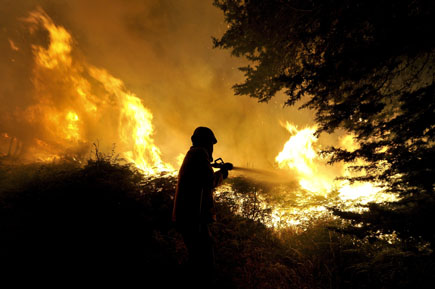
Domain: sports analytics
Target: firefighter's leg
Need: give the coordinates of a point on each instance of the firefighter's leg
(207, 258)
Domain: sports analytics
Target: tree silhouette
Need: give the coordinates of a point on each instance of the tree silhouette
(365, 67)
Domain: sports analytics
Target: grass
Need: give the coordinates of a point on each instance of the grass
(106, 221)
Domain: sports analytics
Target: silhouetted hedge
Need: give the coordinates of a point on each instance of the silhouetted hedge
(106, 221)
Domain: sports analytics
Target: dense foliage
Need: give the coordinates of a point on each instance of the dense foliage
(104, 222)
(363, 66)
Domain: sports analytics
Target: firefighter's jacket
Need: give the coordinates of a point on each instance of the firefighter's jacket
(194, 203)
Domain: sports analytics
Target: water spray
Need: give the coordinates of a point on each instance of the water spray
(220, 164)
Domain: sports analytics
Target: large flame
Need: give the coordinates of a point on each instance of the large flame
(302, 158)
(135, 125)
(76, 103)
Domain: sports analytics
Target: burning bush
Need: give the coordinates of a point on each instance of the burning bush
(106, 220)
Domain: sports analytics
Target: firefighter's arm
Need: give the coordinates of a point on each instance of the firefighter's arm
(218, 178)
(221, 174)
(224, 168)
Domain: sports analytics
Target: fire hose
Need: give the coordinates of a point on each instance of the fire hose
(220, 164)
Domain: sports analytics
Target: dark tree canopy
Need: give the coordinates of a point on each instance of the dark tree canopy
(365, 66)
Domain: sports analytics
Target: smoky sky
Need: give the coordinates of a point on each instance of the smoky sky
(162, 51)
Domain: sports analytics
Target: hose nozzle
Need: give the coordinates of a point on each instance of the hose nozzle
(220, 164)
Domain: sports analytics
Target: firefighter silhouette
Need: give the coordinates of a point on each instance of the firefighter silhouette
(194, 208)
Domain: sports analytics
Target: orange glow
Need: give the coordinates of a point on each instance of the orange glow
(67, 120)
(301, 157)
(72, 128)
(180, 159)
(135, 125)
(13, 45)
(76, 104)
(58, 52)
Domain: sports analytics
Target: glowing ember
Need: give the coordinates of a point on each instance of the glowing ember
(13, 45)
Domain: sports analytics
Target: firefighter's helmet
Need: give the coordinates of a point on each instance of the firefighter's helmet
(203, 135)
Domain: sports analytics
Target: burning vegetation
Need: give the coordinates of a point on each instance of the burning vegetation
(91, 96)
(109, 219)
(71, 100)
(277, 226)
